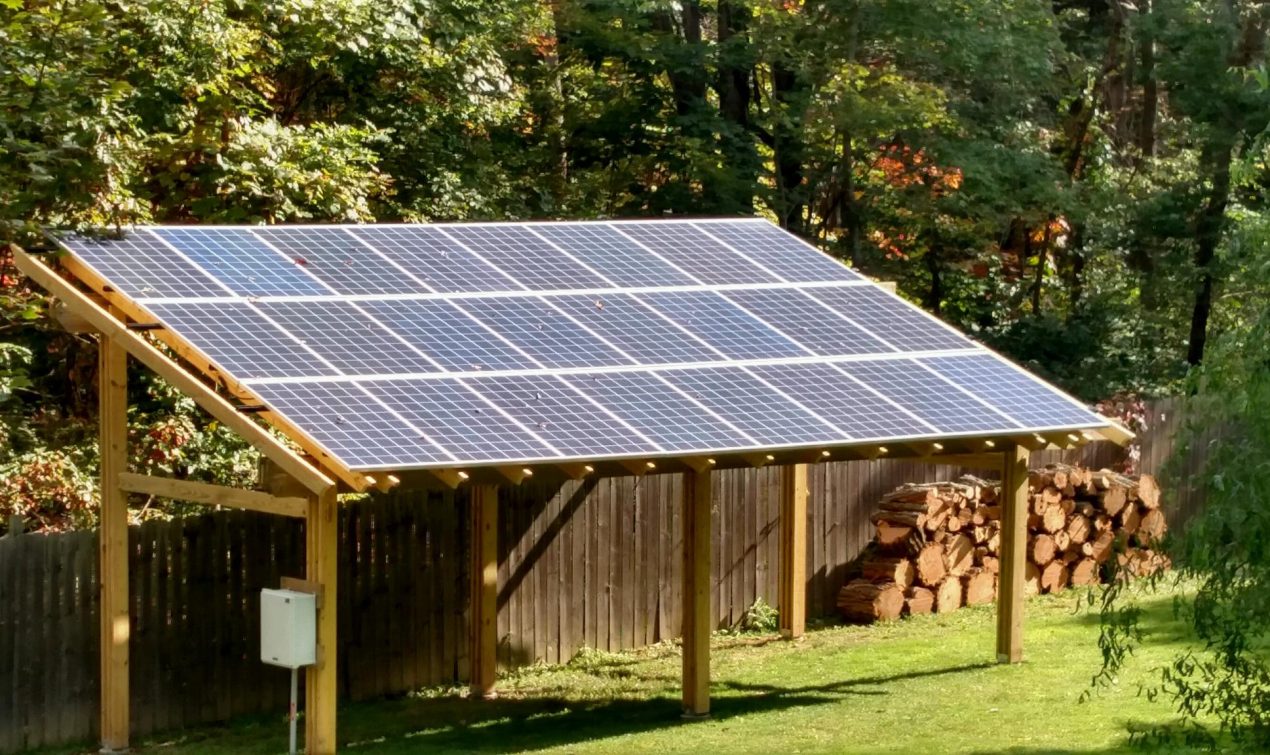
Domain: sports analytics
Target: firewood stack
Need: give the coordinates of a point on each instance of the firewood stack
(937, 545)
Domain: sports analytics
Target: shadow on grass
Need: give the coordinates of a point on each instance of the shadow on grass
(1158, 621)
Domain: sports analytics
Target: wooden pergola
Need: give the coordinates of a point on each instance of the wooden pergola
(303, 482)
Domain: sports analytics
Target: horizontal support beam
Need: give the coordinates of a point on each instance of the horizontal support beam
(310, 477)
(978, 461)
(213, 495)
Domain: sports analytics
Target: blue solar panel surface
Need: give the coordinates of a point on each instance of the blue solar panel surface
(416, 346)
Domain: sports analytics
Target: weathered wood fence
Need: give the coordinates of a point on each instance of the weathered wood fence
(593, 564)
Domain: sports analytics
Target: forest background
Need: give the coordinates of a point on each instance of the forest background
(1080, 184)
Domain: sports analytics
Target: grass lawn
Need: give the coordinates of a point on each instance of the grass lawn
(925, 685)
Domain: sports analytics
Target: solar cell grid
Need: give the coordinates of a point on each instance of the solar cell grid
(447, 335)
(702, 256)
(615, 370)
(524, 256)
(723, 325)
(848, 405)
(459, 421)
(434, 258)
(780, 252)
(240, 341)
(352, 342)
(1026, 399)
(754, 407)
(622, 321)
(543, 333)
(927, 396)
(244, 263)
(339, 260)
(808, 322)
(142, 266)
(351, 425)
(658, 411)
(561, 416)
(895, 321)
(611, 254)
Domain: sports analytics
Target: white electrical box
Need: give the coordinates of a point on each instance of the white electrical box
(288, 628)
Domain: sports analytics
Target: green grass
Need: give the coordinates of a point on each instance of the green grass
(923, 685)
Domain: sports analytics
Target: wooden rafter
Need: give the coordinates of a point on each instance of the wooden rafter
(214, 495)
(310, 477)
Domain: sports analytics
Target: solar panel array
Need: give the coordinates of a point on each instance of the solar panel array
(418, 346)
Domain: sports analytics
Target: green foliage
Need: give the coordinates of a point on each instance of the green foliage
(761, 618)
(1051, 177)
(1224, 673)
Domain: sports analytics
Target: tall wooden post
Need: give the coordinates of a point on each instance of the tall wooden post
(112, 397)
(1014, 503)
(321, 529)
(484, 594)
(696, 593)
(792, 600)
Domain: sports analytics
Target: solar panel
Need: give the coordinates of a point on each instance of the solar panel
(434, 258)
(241, 341)
(723, 325)
(525, 256)
(241, 261)
(338, 259)
(142, 266)
(415, 346)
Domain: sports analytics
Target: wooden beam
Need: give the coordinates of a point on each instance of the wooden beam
(758, 460)
(321, 552)
(979, 461)
(697, 463)
(696, 593)
(116, 628)
(1116, 433)
(313, 479)
(1030, 442)
(515, 475)
(451, 478)
(792, 599)
(637, 467)
(1014, 503)
(576, 471)
(213, 495)
(484, 593)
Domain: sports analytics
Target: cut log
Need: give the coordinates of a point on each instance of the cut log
(936, 521)
(1054, 519)
(1149, 492)
(1114, 500)
(1031, 579)
(866, 602)
(1152, 527)
(1062, 540)
(1103, 546)
(1043, 549)
(1054, 577)
(892, 536)
(930, 566)
(991, 564)
(897, 570)
(918, 601)
(899, 518)
(1130, 519)
(980, 587)
(959, 555)
(1078, 528)
(1084, 573)
(948, 596)
(985, 514)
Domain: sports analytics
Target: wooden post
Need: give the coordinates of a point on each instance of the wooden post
(696, 594)
(484, 595)
(792, 601)
(1014, 503)
(112, 419)
(321, 551)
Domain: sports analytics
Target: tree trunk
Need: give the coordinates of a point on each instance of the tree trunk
(1209, 227)
(1150, 85)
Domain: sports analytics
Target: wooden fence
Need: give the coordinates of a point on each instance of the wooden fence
(593, 563)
